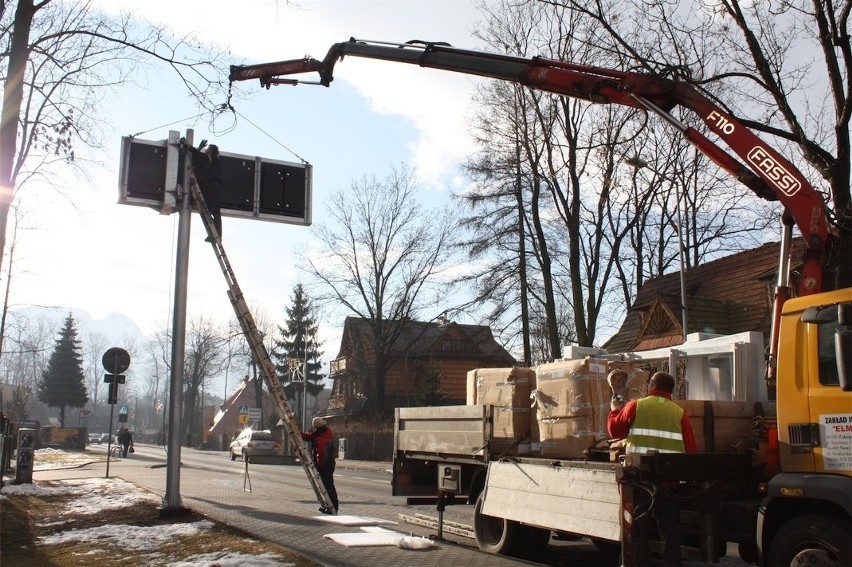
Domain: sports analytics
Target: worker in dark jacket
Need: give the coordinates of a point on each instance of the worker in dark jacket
(207, 165)
(321, 439)
(655, 424)
(125, 439)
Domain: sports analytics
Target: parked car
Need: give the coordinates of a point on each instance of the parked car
(253, 442)
(95, 438)
(104, 438)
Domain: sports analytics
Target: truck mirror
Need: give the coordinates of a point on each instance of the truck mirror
(843, 351)
(821, 314)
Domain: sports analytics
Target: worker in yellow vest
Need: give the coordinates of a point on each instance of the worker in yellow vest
(655, 424)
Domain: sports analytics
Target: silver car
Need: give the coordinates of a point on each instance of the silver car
(251, 442)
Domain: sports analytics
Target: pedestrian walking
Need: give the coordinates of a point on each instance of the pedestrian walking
(125, 439)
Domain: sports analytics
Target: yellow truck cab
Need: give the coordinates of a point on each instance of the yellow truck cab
(812, 492)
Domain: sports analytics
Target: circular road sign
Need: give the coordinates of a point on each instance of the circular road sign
(116, 360)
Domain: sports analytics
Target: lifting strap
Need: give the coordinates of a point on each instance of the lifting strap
(258, 350)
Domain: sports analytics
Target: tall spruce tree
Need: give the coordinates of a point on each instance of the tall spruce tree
(298, 341)
(63, 383)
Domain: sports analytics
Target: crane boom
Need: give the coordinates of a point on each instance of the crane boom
(765, 171)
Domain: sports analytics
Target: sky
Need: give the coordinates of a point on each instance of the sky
(89, 254)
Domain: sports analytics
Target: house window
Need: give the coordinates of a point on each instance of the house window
(452, 345)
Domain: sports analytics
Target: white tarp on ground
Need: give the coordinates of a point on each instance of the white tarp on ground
(352, 520)
(370, 536)
(378, 536)
(362, 539)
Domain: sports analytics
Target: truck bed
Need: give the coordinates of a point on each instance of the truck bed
(571, 496)
(444, 433)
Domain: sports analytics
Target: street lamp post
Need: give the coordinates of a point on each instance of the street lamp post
(682, 255)
(638, 163)
(305, 386)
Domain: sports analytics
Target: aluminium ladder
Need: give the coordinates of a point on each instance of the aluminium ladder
(261, 356)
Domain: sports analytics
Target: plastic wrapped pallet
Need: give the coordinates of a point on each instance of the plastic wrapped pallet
(511, 431)
(508, 390)
(500, 386)
(731, 423)
(564, 389)
(565, 437)
(564, 399)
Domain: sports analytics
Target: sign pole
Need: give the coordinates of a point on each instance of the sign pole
(172, 504)
(109, 439)
(115, 360)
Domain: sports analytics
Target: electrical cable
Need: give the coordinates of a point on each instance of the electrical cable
(267, 134)
(188, 118)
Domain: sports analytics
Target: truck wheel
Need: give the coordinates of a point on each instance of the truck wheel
(495, 535)
(811, 541)
(533, 541)
(748, 552)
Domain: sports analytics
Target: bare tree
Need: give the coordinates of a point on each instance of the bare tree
(61, 59)
(496, 224)
(29, 342)
(382, 258)
(267, 328)
(238, 354)
(565, 151)
(155, 384)
(595, 228)
(94, 346)
(750, 57)
(204, 359)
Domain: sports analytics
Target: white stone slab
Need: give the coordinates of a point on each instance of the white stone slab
(352, 520)
(365, 539)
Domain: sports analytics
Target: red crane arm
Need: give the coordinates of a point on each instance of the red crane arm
(765, 171)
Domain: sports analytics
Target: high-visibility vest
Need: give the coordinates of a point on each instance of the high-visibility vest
(656, 427)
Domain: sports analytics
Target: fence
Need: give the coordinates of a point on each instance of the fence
(368, 445)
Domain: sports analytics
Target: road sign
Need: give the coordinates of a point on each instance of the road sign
(116, 360)
(244, 409)
(124, 409)
(114, 378)
(254, 414)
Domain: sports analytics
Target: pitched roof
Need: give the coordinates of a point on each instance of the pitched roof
(725, 296)
(420, 339)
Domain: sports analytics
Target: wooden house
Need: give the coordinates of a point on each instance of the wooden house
(726, 296)
(444, 348)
